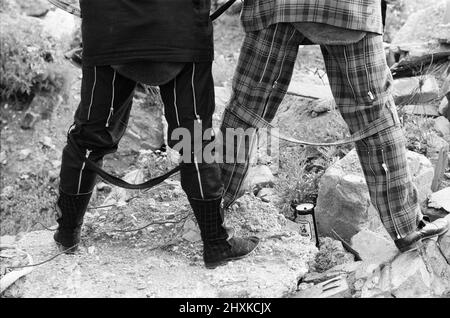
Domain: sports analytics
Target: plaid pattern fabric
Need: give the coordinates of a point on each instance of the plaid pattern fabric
(363, 15)
(359, 79)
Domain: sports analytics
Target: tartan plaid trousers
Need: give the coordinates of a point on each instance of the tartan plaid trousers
(360, 81)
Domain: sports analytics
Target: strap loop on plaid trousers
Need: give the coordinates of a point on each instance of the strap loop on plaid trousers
(371, 129)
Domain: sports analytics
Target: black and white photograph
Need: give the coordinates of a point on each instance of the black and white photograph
(232, 156)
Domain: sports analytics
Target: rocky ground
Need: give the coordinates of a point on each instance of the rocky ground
(147, 244)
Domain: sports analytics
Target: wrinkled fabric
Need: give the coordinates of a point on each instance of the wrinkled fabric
(360, 15)
(124, 31)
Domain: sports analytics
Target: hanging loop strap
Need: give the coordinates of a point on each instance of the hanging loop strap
(115, 180)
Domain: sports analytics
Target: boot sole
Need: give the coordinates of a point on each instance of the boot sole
(227, 260)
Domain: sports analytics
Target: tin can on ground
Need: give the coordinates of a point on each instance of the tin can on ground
(306, 220)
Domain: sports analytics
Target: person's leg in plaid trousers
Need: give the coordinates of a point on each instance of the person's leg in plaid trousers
(360, 81)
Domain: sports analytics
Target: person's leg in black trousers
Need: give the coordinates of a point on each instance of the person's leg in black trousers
(100, 122)
(189, 101)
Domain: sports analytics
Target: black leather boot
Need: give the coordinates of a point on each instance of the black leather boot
(425, 230)
(218, 247)
(70, 212)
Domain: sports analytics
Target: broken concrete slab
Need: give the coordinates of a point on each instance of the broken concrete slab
(440, 199)
(343, 202)
(373, 247)
(415, 90)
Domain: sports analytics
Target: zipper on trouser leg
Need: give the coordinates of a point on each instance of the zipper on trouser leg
(193, 95)
(88, 152)
(369, 93)
(373, 173)
(111, 109)
(279, 74)
(270, 52)
(386, 169)
(199, 177)
(92, 93)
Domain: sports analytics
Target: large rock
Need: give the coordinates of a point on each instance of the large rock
(343, 201)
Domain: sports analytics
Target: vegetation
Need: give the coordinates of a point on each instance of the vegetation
(27, 60)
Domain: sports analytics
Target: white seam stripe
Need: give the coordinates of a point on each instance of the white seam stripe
(175, 100)
(92, 93)
(193, 90)
(270, 52)
(199, 178)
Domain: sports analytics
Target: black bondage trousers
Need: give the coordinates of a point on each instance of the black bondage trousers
(102, 117)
